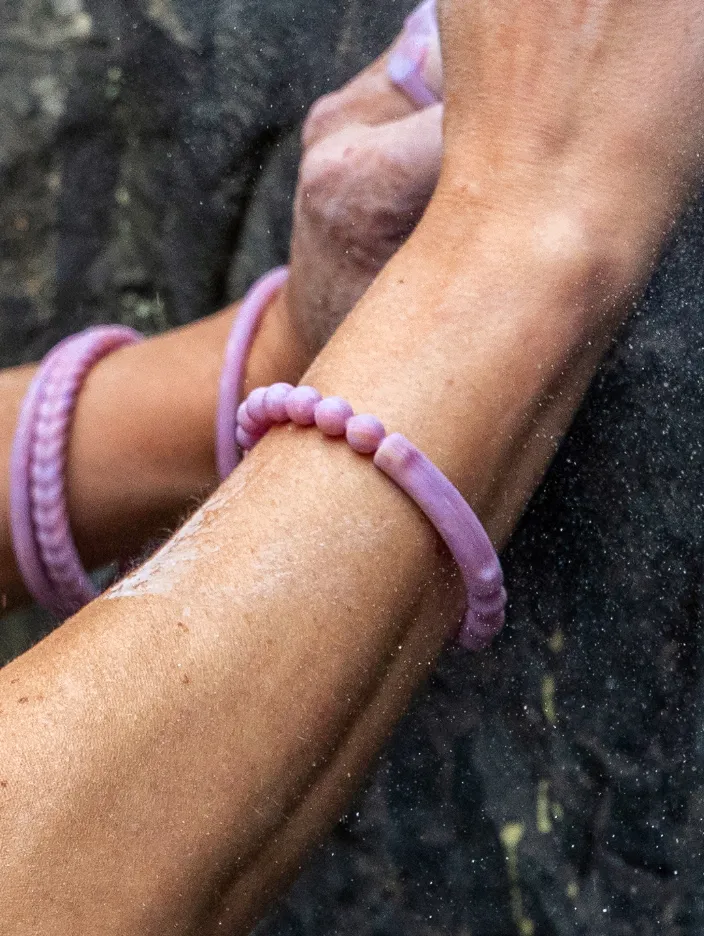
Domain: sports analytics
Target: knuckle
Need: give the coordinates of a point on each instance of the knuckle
(322, 116)
(358, 196)
(321, 188)
(332, 201)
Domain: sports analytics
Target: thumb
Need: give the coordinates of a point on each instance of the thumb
(389, 89)
(415, 62)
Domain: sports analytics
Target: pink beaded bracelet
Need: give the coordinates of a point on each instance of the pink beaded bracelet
(46, 554)
(413, 472)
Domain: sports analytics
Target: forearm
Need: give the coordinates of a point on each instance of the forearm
(221, 704)
(142, 446)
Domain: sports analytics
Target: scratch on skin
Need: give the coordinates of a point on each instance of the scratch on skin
(274, 562)
(167, 567)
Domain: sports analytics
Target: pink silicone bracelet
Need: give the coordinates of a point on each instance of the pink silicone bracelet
(237, 351)
(46, 554)
(414, 473)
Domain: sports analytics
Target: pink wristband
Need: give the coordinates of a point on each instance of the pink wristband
(407, 59)
(46, 554)
(239, 345)
(414, 473)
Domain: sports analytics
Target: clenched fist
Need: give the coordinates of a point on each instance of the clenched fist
(371, 161)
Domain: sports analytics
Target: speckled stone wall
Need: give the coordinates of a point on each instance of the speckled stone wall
(549, 787)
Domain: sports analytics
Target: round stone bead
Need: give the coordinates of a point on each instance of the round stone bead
(332, 414)
(255, 406)
(365, 433)
(275, 402)
(301, 404)
(246, 422)
(245, 439)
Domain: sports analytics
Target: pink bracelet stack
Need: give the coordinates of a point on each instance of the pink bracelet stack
(46, 554)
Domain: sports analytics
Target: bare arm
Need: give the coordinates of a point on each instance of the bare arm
(191, 736)
(142, 446)
(170, 752)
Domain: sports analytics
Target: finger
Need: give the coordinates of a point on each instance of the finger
(396, 169)
(363, 190)
(369, 99)
(361, 193)
(377, 94)
(415, 63)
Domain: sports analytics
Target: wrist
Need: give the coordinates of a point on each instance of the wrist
(599, 221)
(141, 447)
(277, 353)
(495, 339)
(147, 414)
(142, 441)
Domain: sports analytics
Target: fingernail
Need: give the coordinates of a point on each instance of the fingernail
(423, 20)
(409, 56)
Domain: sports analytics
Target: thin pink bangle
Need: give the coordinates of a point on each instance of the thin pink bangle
(414, 473)
(41, 534)
(239, 345)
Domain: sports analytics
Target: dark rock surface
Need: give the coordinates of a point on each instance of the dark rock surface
(139, 144)
(554, 785)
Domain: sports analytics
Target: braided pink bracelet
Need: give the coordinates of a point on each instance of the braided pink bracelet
(237, 351)
(413, 472)
(46, 554)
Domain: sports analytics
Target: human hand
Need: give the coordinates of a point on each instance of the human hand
(370, 163)
(585, 117)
